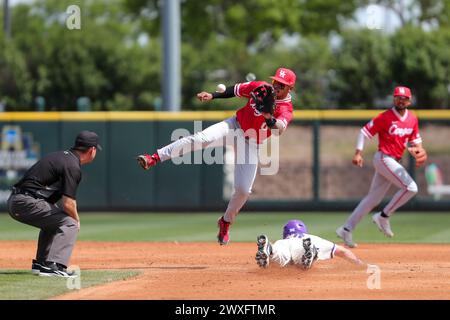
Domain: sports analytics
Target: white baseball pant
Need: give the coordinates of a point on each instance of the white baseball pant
(387, 172)
(246, 157)
(291, 250)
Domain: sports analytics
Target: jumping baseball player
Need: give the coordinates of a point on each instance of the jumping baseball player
(299, 248)
(396, 128)
(268, 107)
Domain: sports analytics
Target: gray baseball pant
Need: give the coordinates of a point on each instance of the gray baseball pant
(387, 172)
(58, 230)
(246, 157)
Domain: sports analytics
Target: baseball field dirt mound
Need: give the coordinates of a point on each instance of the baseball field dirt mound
(208, 271)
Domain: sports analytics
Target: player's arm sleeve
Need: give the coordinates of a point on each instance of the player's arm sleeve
(228, 93)
(360, 140)
(70, 182)
(416, 139)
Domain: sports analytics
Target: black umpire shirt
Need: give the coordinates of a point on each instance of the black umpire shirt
(55, 175)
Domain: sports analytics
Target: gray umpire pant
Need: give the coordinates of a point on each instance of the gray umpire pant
(58, 230)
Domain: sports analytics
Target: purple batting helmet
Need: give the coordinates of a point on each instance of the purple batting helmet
(294, 228)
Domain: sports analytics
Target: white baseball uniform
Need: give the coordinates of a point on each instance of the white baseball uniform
(291, 250)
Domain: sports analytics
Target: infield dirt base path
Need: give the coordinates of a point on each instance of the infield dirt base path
(207, 271)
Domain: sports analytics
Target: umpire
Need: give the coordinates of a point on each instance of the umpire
(33, 201)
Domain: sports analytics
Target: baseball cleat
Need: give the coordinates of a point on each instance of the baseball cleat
(346, 236)
(383, 224)
(310, 254)
(146, 161)
(53, 269)
(223, 237)
(264, 251)
(36, 267)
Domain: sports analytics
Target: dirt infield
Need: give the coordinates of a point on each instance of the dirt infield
(206, 271)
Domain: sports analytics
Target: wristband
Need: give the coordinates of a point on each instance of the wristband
(228, 93)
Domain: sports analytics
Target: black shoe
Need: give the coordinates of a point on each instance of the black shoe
(53, 269)
(36, 267)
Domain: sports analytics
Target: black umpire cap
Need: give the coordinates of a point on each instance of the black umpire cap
(86, 139)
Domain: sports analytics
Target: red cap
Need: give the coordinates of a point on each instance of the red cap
(402, 91)
(285, 76)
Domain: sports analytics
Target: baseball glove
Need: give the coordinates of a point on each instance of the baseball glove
(264, 98)
(419, 154)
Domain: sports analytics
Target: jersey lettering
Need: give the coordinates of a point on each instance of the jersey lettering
(395, 130)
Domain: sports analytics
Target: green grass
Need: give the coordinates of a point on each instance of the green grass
(22, 285)
(426, 227)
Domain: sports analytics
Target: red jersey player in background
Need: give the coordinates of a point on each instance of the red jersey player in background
(249, 127)
(396, 128)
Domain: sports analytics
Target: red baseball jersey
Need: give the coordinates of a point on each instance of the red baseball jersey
(251, 120)
(394, 131)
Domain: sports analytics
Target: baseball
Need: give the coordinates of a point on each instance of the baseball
(221, 88)
(250, 77)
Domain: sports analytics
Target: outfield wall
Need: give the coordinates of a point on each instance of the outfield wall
(114, 181)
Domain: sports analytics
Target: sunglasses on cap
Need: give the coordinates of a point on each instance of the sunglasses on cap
(402, 98)
(277, 84)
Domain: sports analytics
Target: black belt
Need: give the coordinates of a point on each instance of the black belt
(26, 193)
